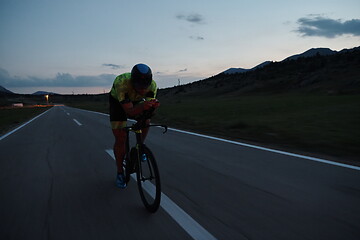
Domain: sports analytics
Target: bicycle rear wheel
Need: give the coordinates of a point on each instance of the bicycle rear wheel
(129, 164)
(126, 170)
(148, 180)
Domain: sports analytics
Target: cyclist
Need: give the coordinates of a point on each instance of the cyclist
(131, 95)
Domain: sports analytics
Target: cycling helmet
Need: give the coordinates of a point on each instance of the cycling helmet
(141, 76)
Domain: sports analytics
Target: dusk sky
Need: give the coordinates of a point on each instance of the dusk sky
(69, 46)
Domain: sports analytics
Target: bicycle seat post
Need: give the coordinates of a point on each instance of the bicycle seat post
(138, 136)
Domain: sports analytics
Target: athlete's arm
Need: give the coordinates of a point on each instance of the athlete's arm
(133, 111)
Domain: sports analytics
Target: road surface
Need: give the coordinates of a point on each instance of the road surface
(57, 181)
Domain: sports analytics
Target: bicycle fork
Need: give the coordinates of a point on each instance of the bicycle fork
(140, 151)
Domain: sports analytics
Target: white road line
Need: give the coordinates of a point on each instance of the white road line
(68, 114)
(260, 148)
(270, 150)
(77, 122)
(193, 228)
(11, 132)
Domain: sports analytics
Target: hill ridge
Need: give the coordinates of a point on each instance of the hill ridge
(308, 53)
(332, 73)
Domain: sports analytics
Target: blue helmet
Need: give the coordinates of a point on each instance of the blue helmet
(141, 76)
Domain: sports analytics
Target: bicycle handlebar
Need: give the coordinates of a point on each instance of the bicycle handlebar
(141, 122)
(139, 125)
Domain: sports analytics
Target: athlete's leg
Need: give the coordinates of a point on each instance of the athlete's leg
(118, 122)
(120, 143)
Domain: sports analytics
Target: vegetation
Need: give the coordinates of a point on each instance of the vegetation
(12, 117)
(321, 124)
(98, 103)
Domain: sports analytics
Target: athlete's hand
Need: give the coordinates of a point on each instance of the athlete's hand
(147, 105)
(153, 103)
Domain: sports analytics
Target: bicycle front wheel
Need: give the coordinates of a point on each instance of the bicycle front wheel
(148, 180)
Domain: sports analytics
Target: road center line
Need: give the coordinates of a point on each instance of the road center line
(77, 122)
(193, 228)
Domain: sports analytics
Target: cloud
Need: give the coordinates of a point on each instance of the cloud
(193, 18)
(112, 66)
(315, 25)
(199, 38)
(183, 70)
(4, 74)
(60, 80)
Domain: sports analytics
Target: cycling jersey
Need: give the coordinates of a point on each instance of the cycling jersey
(123, 91)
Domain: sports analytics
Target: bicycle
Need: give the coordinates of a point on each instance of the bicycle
(140, 160)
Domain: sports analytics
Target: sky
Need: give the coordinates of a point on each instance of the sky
(80, 46)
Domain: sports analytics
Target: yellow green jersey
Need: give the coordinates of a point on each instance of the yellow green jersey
(123, 91)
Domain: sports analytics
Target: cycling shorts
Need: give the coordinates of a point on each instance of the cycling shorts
(116, 111)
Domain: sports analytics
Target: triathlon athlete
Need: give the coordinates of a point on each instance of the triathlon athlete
(131, 95)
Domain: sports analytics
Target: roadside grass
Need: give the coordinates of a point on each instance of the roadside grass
(320, 124)
(95, 106)
(10, 118)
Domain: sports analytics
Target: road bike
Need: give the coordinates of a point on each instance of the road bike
(140, 160)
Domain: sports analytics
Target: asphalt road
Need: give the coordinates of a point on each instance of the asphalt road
(58, 182)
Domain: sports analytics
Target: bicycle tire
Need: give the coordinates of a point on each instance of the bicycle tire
(150, 194)
(129, 164)
(126, 170)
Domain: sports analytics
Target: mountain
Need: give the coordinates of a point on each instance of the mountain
(44, 93)
(4, 90)
(350, 50)
(235, 70)
(331, 73)
(242, 70)
(311, 53)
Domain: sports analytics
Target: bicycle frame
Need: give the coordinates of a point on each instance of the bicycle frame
(137, 129)
(138, 145)
(148, 168)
